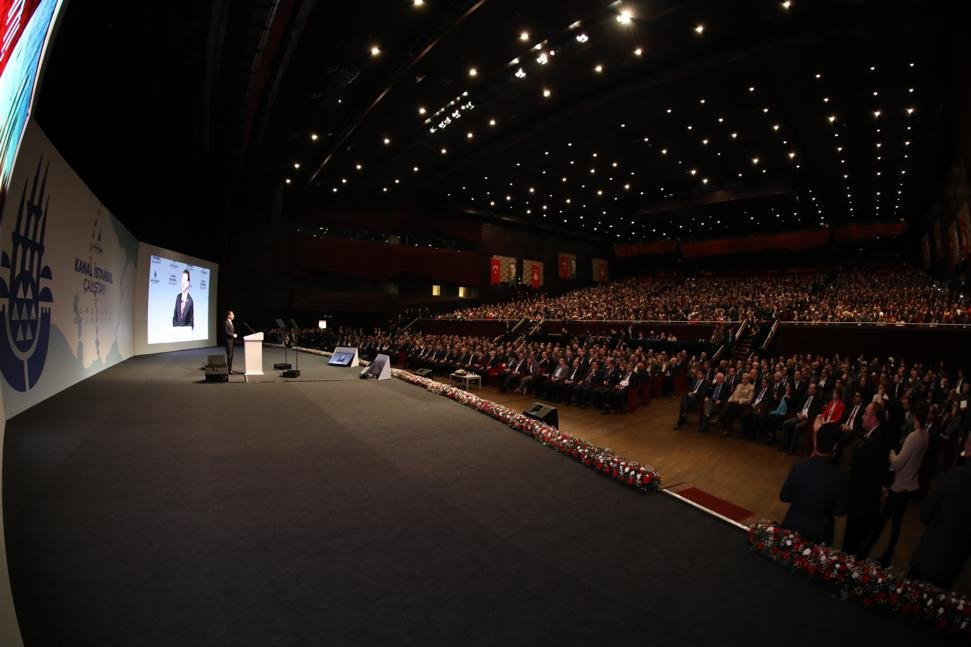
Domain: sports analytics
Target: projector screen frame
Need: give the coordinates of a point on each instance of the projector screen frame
(140, 317)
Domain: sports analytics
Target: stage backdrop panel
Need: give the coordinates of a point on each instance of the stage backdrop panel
(66, 279)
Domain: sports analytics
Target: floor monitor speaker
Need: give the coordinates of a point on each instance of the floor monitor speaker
(425, 372)
(543, 413)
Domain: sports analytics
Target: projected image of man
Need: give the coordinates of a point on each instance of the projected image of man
(183, 316)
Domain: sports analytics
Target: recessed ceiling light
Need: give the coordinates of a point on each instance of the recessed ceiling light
(625, 16)
(638, 51)
(547, 92)
(473, 72)
(387, 140)
(296, 165)
(699, 29)
(786, 4)
(313, 137)
(375, 50)
(524, 36)
(287, 180)
(598, 68)
(421, 110)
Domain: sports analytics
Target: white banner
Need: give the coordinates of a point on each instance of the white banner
(66, 279)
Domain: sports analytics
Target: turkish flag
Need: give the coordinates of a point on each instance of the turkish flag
(534, 282)
(564, 268)
(494, 272)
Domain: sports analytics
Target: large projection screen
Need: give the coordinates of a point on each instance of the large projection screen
(165, 320)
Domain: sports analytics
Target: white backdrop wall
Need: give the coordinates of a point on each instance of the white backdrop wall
(67, 270)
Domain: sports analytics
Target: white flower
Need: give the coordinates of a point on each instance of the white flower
(807, 552)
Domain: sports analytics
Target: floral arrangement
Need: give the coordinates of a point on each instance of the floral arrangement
(863, 581)
(630, 473)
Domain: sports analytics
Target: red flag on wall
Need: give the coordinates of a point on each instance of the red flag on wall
(534, 281)
(495, 272)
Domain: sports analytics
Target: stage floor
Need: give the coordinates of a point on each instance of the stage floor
(144, 507)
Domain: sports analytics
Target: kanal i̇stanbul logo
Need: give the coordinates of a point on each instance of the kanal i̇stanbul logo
(25, 306)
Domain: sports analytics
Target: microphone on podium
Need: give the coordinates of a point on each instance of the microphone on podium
(247, 326)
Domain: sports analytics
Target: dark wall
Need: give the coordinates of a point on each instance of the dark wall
(949, 343)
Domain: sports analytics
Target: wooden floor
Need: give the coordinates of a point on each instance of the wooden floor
(745, 473)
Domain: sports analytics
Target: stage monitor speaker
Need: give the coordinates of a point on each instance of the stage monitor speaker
(282, 366)
(217, 373)
(291, 373)
(379, 369)
(425, 372)
(216, 360)
(543, 413)
(344, 356)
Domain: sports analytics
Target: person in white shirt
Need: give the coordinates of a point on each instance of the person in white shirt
(905, 466)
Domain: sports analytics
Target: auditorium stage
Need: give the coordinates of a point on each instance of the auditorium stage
(144, 507)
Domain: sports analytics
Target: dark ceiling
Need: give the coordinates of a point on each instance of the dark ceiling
(693, 118)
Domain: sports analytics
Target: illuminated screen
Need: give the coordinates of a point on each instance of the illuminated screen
(24, 25)
(178, 301)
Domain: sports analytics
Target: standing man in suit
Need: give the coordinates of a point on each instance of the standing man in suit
(815, 491)
(183, 315)
(869, 472)
(946, 542)
(230, 333)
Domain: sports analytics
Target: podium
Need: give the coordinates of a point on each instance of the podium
(254, 353)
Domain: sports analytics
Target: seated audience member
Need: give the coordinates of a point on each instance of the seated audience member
(738, 403)
(946, 542)
(691, 398)
(905, 467)
(783, 410)
(754, 416)
(713, 402)
(617, 399)
(602, 393)
(550, 386)
(801, 423)
(532, 373)
(515, 370)
(583, 392)
(814, 490)
(573, 379)
(833, 411)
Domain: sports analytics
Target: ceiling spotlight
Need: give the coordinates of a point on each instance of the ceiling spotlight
(520, 73)
(358, 167)
(582, 38)
(699, 29)
(415, 169)
(734, 135)
(343, 180)
(469, 135)
(418, 3)
(876, 113)
(786, 5)
(547, 92)
(598, 68)
(444, 151)
(387, 140)
(638, 51)
(755, 161)
(832, 119)
(624, 17)
(542, 59)
(375, 50)
(524, 36)
(910, 111)
(492, 122)
(421, 110)
(287, 180)
(296, 165)
(313, 137)
(473, 72)
(792, 154)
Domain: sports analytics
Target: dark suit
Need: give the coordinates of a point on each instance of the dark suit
(869, 472)
(230, 332)
(793, 428)
(184, 317)
(815, 490)
(946, 542)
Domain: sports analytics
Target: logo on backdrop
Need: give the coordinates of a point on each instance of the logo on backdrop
(25, 305)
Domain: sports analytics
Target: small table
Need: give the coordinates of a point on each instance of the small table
(468, 379)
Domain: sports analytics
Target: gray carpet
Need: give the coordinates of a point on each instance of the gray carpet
(145, 508)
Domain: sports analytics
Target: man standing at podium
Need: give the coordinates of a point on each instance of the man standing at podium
(231, 335)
